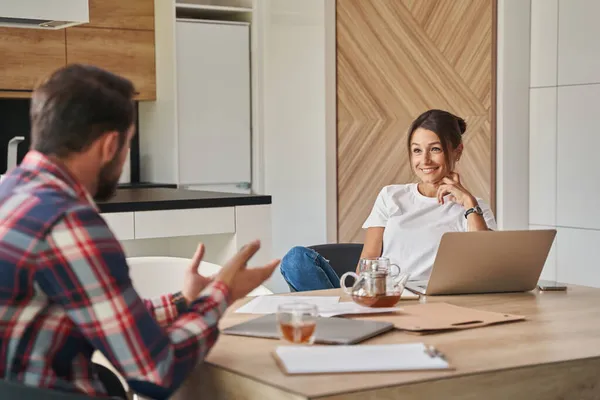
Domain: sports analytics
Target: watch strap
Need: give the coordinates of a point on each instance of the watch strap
(180, 303)
(476, 210)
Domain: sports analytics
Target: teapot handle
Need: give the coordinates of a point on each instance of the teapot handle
(343, 281)
(398, 277)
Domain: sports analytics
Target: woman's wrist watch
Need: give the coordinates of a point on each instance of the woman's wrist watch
(476, 210)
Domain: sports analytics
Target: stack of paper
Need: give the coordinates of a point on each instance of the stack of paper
(364, 358)
(327, 306)
(349, 308)
(269, 304)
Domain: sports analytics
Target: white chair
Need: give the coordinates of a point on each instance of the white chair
(155, 276)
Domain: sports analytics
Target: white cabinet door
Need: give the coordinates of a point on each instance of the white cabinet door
(578, 45)
(578, 254)
(213, 102)
(185, 222)
(121, 224)
(577, 162)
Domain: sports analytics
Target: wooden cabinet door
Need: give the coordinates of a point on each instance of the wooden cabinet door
(122, 14)
(27, 56)
(129, 53)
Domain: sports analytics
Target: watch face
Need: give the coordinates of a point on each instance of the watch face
(478, 210)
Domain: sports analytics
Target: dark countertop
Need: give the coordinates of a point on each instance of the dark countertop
(135, 185)
(149, 199)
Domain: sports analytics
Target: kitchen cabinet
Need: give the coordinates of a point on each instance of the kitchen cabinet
(122, 14)
(121, 224)
(171, 223)
(129, 53)
(27, 56)
(188, 222)
(213, 102)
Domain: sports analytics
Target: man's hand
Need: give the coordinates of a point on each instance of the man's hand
(193, 282)
(242, 280)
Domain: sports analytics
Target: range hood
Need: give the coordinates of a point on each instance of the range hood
(43, 14)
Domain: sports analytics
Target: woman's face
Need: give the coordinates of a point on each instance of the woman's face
(427, 156)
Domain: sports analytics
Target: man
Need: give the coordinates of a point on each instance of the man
(65, 289)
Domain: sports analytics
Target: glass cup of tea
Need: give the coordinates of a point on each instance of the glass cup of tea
(297, 322)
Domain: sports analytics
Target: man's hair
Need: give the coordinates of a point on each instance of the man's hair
(76, 105)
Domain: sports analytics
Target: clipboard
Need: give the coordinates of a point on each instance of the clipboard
(432, 318)
(308, 360)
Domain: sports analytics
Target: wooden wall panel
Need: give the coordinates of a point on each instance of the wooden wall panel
(396, 59)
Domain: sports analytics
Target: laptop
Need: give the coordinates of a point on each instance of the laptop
(328, 331)
(487, 262)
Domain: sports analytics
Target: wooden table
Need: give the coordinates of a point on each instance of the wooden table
(554, 354)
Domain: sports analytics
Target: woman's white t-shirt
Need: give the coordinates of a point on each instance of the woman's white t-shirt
(414, 225)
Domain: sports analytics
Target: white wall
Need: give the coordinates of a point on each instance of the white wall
(564, 135)
(158, 119)
(512, 143)
(297, 120)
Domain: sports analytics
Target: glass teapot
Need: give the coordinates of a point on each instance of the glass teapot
(378, 284)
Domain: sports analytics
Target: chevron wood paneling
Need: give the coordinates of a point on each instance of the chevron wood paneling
(396, 59)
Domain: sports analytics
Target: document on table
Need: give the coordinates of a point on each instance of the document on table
(362, 358)
(327, 306)
(408, 295)
(269, 304)
(349, 308)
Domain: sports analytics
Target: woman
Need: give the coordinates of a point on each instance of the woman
(407, 221)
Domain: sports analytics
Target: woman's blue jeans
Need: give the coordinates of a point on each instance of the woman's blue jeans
(304, 269)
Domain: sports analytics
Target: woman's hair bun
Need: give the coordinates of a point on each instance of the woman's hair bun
(462, 125)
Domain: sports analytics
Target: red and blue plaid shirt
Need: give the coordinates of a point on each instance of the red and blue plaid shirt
(65, 292)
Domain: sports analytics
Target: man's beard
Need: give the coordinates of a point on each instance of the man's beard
(108, 180)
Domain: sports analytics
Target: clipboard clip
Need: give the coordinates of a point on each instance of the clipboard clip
(434, 353)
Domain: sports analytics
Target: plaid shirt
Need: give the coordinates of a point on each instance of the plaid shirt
(65, 292)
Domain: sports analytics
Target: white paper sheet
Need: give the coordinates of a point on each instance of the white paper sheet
(361, 358)
(408, 295)
(349, 307)
(269, 304)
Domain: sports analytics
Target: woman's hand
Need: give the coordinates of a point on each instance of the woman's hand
(451, 185)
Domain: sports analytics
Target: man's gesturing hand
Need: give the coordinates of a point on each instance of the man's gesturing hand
(240, 279)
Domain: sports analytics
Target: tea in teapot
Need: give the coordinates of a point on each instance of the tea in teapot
(378, 283)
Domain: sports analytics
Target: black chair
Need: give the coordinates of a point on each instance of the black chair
(13, 390)
(343, 257)
(112, 384)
